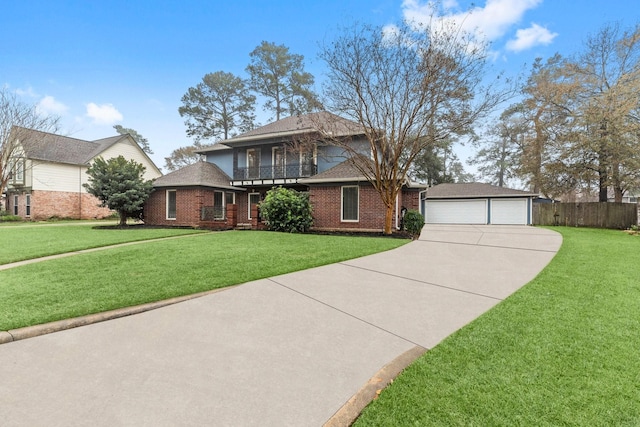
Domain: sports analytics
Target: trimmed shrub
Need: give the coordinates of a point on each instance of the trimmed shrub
(413, 223)
(10, 218)
(286, 210)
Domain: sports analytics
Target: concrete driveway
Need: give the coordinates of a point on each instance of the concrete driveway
(285, 351)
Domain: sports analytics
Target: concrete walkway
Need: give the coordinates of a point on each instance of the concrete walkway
(290, 350)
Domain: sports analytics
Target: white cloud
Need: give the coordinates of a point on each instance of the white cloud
(28, 92)
(529, 37)
(489, 23)
(105, 114)
(48, 105)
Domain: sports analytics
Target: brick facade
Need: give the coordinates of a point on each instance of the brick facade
(325, 201)
(57, 204)
(327, 204)
(189, 204)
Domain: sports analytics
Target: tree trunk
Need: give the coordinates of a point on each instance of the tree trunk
(123, 219)
(388, 220)
(618, 193)
(602, 184)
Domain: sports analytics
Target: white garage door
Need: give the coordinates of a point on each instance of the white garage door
(456, 211)
(513, 211)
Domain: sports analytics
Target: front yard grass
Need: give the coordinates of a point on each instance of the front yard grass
(130, 275)
(35, 241)
(561, 351)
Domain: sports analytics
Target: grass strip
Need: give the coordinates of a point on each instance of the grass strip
(126, 276)
(563, 350)
(28, 242)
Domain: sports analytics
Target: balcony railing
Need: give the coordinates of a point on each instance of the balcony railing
(275, 172)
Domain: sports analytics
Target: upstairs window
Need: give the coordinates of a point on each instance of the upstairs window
(16, 168)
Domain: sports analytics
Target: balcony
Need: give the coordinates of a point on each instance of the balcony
(271, 174)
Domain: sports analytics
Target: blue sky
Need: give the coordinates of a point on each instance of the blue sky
(128, 62)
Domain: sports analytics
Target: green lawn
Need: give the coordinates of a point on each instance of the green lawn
(131, 275)
(34, 241)
(564, 350)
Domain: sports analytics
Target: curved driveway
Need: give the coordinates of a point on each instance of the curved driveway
(288, 350)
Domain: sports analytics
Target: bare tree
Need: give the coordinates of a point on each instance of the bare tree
(16, 119)
(183, 156)
(409, 87)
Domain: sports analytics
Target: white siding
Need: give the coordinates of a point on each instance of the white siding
(58, 177)
(130, 151)
(512, 211)
(456, 211)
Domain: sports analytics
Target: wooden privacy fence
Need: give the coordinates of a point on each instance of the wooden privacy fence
(594, 214)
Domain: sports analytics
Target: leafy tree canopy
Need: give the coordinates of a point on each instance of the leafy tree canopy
(139, 139)
(279, 76)
(218, 107)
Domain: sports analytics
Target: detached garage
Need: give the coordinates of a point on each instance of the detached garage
(476, 203)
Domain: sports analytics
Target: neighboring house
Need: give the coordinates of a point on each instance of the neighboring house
(291, 153)
(49, 171)
(476, 203)
(630, 196)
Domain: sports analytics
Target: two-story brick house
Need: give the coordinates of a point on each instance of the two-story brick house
(48, 172)
(294, 152)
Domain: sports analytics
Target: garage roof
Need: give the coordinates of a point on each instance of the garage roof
(473, 189)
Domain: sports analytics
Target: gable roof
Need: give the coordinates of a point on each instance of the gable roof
(473, 189)
(50, 147)
(297, 125)
(199, 174)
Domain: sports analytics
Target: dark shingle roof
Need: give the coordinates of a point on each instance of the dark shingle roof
(199, 174)
(298, 125)
(474, 189)
(342, 172)
(61, 149)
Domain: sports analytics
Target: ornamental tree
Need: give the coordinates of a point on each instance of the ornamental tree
(119, 185)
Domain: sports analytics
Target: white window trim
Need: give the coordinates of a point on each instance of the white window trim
(166, 210)
(357, 187)
(233, 197)
(222, 203)
(249, 203)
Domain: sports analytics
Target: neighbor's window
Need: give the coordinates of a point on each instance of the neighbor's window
(350, 196)
(19, 176)
(16, 199)
(171, 204)
(254, 199)
(28, 203)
